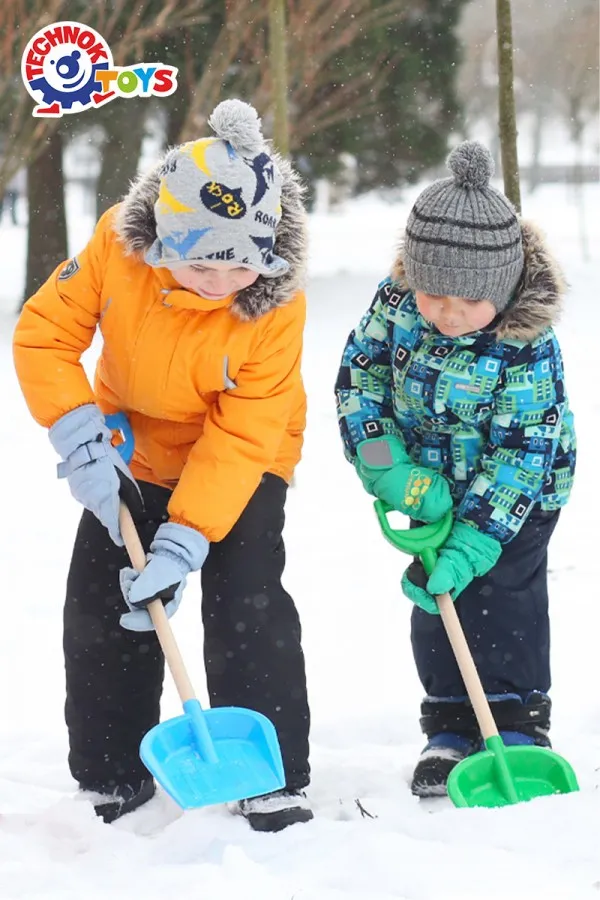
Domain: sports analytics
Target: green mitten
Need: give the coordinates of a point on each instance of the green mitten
(467, 554)
(387, 472)
(377, 456)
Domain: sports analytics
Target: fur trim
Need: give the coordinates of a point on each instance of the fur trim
(537, 303)
(135, 227)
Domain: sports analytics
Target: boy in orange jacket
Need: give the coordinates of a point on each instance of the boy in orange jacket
(195, 283)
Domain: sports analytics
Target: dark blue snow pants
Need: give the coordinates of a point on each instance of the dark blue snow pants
(505, 618)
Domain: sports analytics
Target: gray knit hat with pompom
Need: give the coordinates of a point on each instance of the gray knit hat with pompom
(463, 238)
(220, 197)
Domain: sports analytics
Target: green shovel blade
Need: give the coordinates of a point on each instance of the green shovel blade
(501, 776)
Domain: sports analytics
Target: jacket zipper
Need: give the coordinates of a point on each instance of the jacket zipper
(134, 366)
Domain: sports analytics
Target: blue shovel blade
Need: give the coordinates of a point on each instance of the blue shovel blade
(246, 759)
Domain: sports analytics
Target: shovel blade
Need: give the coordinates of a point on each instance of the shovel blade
(247, 763)
(535, 772)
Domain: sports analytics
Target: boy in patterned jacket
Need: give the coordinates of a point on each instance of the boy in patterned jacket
(453, 382)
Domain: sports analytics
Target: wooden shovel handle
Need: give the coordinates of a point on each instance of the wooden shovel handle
(464, 659)
(156, 610)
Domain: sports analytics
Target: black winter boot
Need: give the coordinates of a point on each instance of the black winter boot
(441, 753)
(453, 733)
(275, 811)
(113, 803)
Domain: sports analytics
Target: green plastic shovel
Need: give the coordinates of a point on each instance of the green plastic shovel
(499, 775)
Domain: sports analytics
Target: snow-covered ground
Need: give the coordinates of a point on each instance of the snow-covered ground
(364, 692)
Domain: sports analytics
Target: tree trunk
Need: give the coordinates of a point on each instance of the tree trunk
(175, 121)
(506, 104)
(536, 143)
(279, 75)
(577, 131)
(47, 228)
(124, 129)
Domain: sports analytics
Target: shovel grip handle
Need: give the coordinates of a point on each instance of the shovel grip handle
(467, 668)
(156, 610)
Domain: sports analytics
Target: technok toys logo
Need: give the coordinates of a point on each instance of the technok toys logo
(67, 67)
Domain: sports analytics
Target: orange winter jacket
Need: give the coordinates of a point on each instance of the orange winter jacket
(213, 391)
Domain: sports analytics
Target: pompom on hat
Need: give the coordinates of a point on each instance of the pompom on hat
(220, 197)
(463, 237)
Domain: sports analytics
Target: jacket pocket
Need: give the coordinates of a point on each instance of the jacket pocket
(229, 384)
(210, 373)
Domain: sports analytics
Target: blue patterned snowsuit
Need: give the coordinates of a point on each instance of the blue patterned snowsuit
(489, 411)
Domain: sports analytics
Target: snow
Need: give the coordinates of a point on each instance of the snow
(363, 688)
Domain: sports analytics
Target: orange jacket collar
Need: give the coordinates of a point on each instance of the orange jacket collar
(175, 295)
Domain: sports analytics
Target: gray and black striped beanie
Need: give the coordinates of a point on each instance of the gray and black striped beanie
(463, 238)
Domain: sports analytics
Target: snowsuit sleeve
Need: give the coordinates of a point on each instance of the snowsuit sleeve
(56, 326)
(243, 430)
(364, 386)
(523, 440)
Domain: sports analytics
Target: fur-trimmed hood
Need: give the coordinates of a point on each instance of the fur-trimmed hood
(537, 303)
(135, 226)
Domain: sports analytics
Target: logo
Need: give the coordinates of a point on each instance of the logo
(68, 68)
(70, 269)
(224, 201)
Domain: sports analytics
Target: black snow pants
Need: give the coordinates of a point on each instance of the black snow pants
(252, 650)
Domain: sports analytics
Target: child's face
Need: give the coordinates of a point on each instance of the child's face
(454, 316)
(214, 280)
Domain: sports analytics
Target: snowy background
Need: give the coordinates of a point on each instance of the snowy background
(363, 689)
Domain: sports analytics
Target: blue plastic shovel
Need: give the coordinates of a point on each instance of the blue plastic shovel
(204, 756)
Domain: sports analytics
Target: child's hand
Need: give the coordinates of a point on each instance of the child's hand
(97, 476)
(175, 551)
(387, 472)
(416, 491)
(467, 554)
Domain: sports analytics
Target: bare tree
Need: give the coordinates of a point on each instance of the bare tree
(19, 20)
(317, 33)
(47, 229)
(554, 67)
(506, 104)
(279, 75)
(579, 70)
(127, 30)
(575, 52)
(241, 31)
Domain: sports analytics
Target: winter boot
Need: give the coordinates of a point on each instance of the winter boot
(441, 753)
(450, 725)
(275, 811)
(518, 739)
(112, 803)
